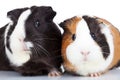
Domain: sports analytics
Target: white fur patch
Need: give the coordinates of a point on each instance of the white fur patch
(94, 61)
(19, 55)
(106, 31)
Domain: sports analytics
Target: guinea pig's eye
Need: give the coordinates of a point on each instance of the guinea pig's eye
(93, 36)
(37, 23)
(73, 37)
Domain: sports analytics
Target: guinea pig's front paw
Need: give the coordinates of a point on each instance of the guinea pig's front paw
(97, 74)
(54, 73)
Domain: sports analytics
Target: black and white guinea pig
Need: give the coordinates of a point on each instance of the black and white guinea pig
(31, 42)
(90, 46)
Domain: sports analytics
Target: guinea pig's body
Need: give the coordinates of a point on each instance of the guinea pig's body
(90, 45)
(30, 43)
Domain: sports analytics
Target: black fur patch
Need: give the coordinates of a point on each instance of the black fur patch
(96, 34)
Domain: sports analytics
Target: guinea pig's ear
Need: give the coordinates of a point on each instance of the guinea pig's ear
(63, 24)
(70, 22)
(14, 14)
(66, 23)
(33, 8)
(51, 14)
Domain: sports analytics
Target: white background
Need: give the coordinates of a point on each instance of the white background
(108, 9)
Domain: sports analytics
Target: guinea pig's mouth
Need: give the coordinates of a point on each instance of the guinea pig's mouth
(26, 45)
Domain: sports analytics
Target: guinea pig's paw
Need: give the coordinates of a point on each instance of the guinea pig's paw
(54, 73)
(97, 74)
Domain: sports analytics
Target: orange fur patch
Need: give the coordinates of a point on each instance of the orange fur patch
(70, 28)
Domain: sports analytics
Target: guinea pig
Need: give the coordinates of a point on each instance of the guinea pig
(90, 46)
(31, 42)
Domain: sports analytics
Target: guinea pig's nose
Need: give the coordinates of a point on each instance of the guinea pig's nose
(85, 53)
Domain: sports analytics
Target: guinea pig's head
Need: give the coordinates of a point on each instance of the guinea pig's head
(87, 45)
(35, 30)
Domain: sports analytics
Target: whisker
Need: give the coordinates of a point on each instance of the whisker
(44, 50)
(99, 39)
(37, 52)
(46, 63)
(34, 50)
(106, 52)
(104, 46)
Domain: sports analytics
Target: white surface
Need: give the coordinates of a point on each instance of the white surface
(111, 75)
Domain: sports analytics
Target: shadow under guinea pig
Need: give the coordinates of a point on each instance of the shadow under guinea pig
(31, 42)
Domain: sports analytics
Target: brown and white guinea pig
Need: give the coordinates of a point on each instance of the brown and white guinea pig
(90, 46)
(31, 42)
